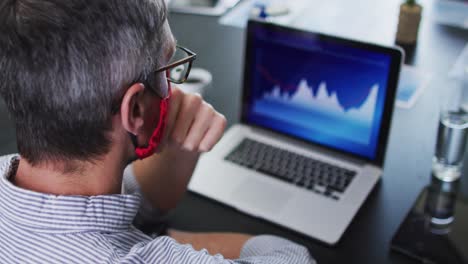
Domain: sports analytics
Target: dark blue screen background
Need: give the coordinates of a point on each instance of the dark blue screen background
(353, 81)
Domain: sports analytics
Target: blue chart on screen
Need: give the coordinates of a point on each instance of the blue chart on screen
(322, 92)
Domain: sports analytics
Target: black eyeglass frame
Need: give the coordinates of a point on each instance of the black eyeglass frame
(191, 57)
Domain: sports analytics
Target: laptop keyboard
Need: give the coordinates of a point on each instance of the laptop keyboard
(317, 176)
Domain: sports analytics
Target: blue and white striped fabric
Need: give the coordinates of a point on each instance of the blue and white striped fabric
(42, 228)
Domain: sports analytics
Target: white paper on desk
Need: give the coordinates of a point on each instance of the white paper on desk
(460, 66)
(358, 19)
(239, 15)
(451, 12)
(412, 83)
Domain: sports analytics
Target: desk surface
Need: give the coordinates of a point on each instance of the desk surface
(409, 154)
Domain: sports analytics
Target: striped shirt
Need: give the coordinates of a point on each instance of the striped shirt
(44, 228)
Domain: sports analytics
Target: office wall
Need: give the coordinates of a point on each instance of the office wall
(220, 50)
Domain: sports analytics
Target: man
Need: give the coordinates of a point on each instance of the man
(88, 84)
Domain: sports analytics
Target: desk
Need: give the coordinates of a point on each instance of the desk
(409, 153)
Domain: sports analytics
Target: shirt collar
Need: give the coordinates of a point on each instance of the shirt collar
(48, 213)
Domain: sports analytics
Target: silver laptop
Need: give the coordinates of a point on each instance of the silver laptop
(316, 114)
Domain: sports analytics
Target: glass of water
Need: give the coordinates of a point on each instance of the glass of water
(453, 131)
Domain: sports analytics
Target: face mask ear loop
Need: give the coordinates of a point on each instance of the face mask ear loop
(158, 133)
(156, 137)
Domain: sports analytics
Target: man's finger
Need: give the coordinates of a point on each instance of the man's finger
(174, 106)
(200, 126)
(214, 134)
(187, 111)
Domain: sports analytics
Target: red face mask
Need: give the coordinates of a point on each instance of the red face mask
(158, 133)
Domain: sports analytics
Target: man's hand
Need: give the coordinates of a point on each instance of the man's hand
(193, 124)
(193, 127)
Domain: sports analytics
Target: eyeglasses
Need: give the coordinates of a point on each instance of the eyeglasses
(180, 65)
(177, 70)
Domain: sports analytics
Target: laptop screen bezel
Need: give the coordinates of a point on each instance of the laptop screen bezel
(395, 54)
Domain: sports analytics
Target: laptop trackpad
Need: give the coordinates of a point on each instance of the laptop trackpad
(260, 197)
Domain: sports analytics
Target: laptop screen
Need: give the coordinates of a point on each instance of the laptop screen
(319, 89)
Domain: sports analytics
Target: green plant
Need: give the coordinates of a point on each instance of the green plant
(410, 2)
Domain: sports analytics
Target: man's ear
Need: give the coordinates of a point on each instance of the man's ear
(132, 109)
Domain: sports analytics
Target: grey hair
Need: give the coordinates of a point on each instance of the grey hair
(65, 63)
